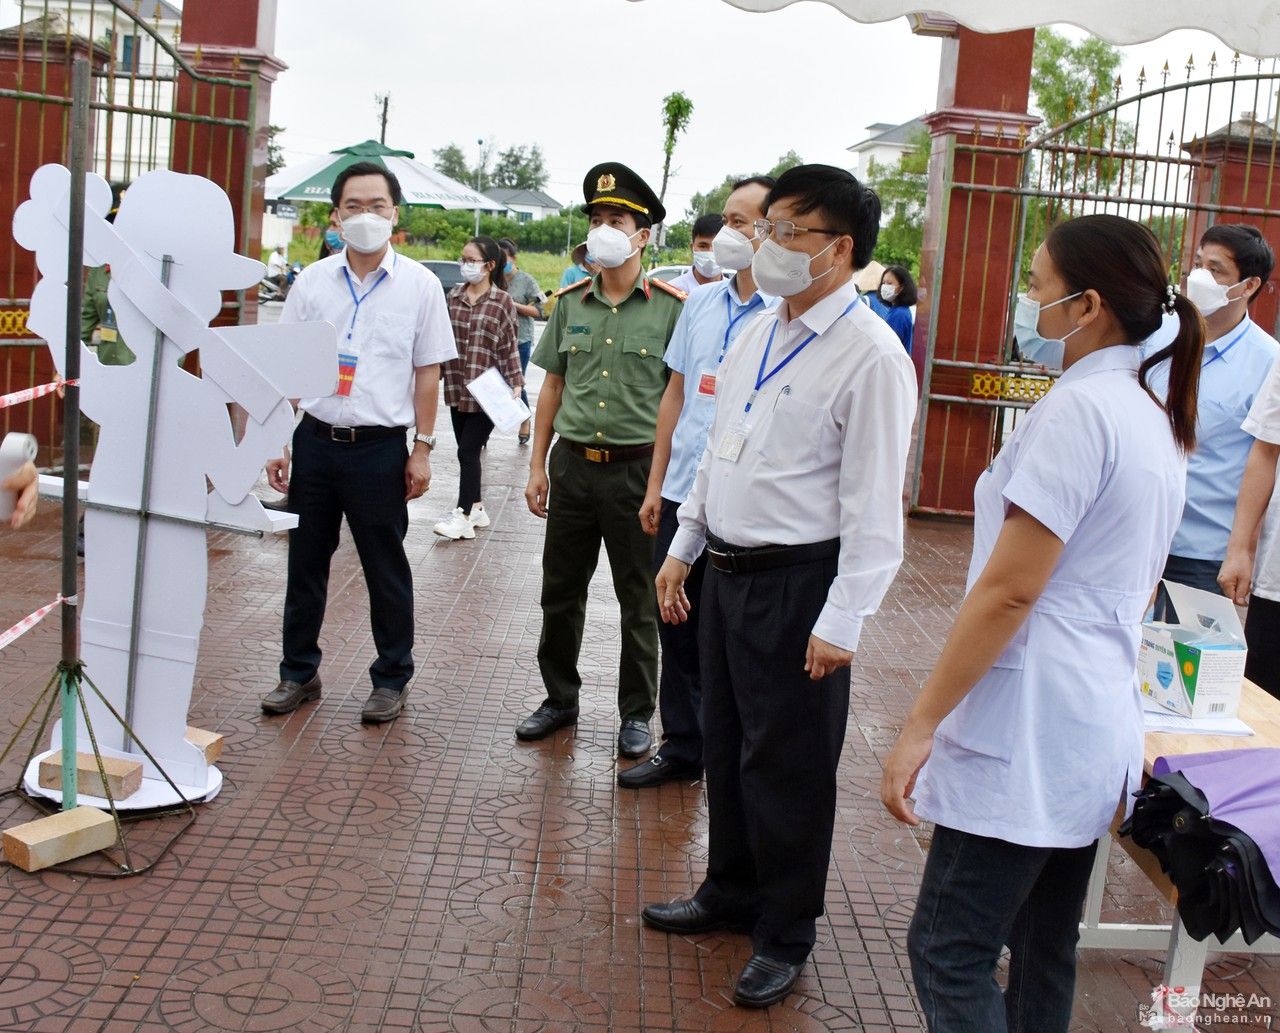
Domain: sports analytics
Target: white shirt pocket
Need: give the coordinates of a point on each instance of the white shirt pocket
(391, 336)
(794, 433)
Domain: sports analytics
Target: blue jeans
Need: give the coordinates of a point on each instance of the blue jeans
(979, 895)
(526, 349)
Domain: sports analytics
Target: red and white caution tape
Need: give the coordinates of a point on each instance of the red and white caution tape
(30, 394)
(29, 622)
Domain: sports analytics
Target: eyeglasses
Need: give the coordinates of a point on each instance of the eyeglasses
(784, 230)
(382, 210)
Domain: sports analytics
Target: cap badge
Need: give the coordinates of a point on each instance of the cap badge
(606, 182)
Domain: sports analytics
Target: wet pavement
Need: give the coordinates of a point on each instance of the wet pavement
(434, 875)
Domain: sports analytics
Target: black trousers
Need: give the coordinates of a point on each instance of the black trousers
(771, 743)
(680, 681)
(592, 503)
(472, 430)
(1262, 635)
(364, 482)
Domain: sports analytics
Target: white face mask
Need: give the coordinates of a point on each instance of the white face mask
(1206, 293)
(888, 291)
(1049, 352)
(610, 247)
(472, 272)
(732, 250)
(704, 262)
(366, 232)
(784, 273)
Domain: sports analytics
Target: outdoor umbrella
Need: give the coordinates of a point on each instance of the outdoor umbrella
(1213, 822)
(421, 184)
(1250, 26)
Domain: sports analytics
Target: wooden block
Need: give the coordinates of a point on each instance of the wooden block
(209, 743)
(59, 837)
(124, 777)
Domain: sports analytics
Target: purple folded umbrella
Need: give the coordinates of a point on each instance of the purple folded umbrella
(1242, 788)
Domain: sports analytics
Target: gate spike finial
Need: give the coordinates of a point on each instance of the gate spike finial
(1213, 63)
(1142, 77)
(1235, 62)
(1191, 65)
(1164, 74)
(1116, 87)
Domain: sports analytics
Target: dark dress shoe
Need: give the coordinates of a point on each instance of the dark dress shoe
(383, 705)
(689, 916)
(543, 721)
(288, 696)
(634, 739)
(765, 981)
(655, 771)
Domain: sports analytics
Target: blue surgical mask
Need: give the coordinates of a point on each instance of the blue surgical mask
(509, 268)
(333, 238)
(1026, 323)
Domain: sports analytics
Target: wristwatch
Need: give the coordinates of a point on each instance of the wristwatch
(427, 439)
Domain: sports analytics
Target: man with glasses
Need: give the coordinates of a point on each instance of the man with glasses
(713, 319)
(602, 350)
(349, 451)
(798, 503)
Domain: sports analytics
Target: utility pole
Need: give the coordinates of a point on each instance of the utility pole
(383, 100)
(479, 173)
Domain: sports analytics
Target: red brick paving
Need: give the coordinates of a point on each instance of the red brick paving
(435, 876)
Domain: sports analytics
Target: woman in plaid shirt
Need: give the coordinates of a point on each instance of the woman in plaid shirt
(484, 326)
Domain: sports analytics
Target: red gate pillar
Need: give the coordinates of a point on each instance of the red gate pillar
(1238, 167)
(967, 258)
(231, 39)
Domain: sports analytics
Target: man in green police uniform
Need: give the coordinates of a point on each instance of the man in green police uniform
(602, 350)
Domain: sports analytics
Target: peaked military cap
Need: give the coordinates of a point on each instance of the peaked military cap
(611, 182)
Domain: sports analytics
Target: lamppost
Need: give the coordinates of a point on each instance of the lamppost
(479, 170)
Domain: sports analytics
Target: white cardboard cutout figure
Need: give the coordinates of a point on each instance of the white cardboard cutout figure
(259, 367)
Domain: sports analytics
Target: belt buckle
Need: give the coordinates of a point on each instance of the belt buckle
(337, 434)
(596, 455)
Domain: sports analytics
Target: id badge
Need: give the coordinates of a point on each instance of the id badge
(346, 374)
(733, 441)
(707, 384)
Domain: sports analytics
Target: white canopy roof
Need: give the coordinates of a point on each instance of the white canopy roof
(1250, 26)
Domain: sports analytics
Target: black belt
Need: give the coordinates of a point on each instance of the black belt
(609, 454)
(349, 435)
(733, 559)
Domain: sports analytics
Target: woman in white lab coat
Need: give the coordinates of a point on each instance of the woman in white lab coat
(1029, 730)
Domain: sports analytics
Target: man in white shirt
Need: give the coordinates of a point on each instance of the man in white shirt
(349, 455)
(1250, 574)
(278, 268)
(705, 268)
(798, 503)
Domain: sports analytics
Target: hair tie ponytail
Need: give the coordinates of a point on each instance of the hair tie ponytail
(1171, 293)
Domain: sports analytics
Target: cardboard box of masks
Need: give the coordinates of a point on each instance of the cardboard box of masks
(1194, 667)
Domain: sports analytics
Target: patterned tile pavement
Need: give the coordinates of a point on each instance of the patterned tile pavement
(435, 876)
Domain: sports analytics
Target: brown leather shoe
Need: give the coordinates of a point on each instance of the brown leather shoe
(383, 705)
(288, 696)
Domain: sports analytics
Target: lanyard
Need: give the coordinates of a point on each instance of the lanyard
(359, 300)
(755, 301)
(762, 377)
(1219, 352)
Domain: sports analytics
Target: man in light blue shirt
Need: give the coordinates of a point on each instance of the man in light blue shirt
(1233, 262)
(713, 317)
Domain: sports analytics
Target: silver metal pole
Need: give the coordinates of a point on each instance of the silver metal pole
(148, 455)
(79, 152)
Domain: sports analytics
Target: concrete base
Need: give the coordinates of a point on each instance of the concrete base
(155, 792)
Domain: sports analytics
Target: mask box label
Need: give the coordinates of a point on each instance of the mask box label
(1194, 667)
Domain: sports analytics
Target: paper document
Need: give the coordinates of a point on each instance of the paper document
(1176, 724)
(494, 395)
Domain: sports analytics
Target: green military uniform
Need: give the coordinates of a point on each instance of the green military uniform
(611, 359)
(112, 351)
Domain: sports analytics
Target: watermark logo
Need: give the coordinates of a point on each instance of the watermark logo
(1187, 1007)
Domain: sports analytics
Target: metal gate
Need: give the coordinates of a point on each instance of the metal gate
(1181, 153)
(152, 109)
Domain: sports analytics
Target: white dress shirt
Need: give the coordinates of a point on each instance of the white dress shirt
(825, 453)
(1263, 423)
(1049, 741)
(401, 323)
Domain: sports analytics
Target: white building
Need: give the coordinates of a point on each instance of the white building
(525, 205)
(884, 145)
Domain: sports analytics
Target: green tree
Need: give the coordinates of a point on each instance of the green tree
(677, 110)
(522, 167)
(713, 200)
(903, 188)
(275, 154)
(451, 162)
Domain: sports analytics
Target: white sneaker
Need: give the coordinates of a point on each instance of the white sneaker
(478, 517)
(457, 526)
